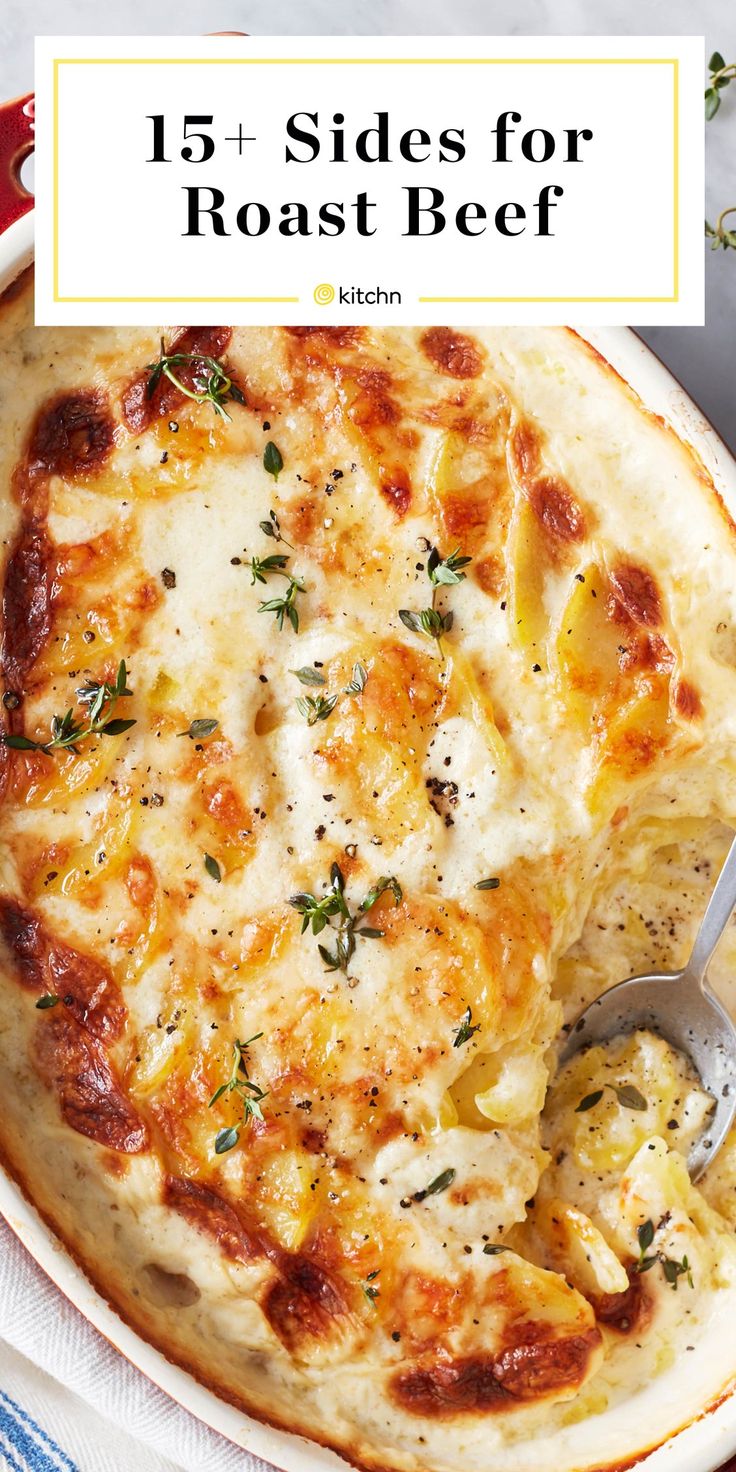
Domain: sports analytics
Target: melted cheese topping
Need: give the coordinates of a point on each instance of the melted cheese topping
(385, 1235)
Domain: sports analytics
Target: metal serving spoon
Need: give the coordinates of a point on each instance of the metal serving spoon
(680, 1006)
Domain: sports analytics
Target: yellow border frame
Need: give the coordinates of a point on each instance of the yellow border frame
(672, 61)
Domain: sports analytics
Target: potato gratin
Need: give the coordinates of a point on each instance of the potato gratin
(370, 700)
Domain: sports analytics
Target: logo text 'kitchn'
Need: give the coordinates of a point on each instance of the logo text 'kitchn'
(372, 296)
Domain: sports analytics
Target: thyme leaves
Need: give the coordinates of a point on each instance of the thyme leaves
(318, 913)
(249, 1094)
(431, 621)
(320, 707)
(672, 1268)
(98, 699)
(284, 606)
(316, 707)
(467, 1028)
(370, 1291)
(273, 460)
(198, 730)
(721, 74)
(211, 383)
(627, 1094)
(272, 528)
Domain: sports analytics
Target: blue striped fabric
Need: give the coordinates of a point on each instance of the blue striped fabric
(25, 1446)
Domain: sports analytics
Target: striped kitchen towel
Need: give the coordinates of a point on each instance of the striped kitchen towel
(70, 1403)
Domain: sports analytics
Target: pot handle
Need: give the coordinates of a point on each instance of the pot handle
(16, 142)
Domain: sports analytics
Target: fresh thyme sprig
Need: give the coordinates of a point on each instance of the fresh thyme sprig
(357, 684)
(442, 572)
(250, 1094)
(272, 528)
(386, 882)
(318, 913)
(319, 707)
(316, 707)
(672, 1268)
(465, 1031)
(98, 699)
(212, 385)
(428, 621)
(446, 570)
(718, 234)
(370, 1292)
(720, 76)
(285, 606)
(262, 568)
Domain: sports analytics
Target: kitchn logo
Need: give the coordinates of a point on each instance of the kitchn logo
(353, 296)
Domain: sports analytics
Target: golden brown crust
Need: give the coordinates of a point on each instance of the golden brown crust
(452, 352)
(27, 602)
(529, 1369)
(141, 408)
(91, 1099)
(45, 964)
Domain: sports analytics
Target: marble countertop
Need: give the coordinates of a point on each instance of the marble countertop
(701, 357)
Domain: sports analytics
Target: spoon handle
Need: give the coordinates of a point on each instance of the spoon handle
(715, 919)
